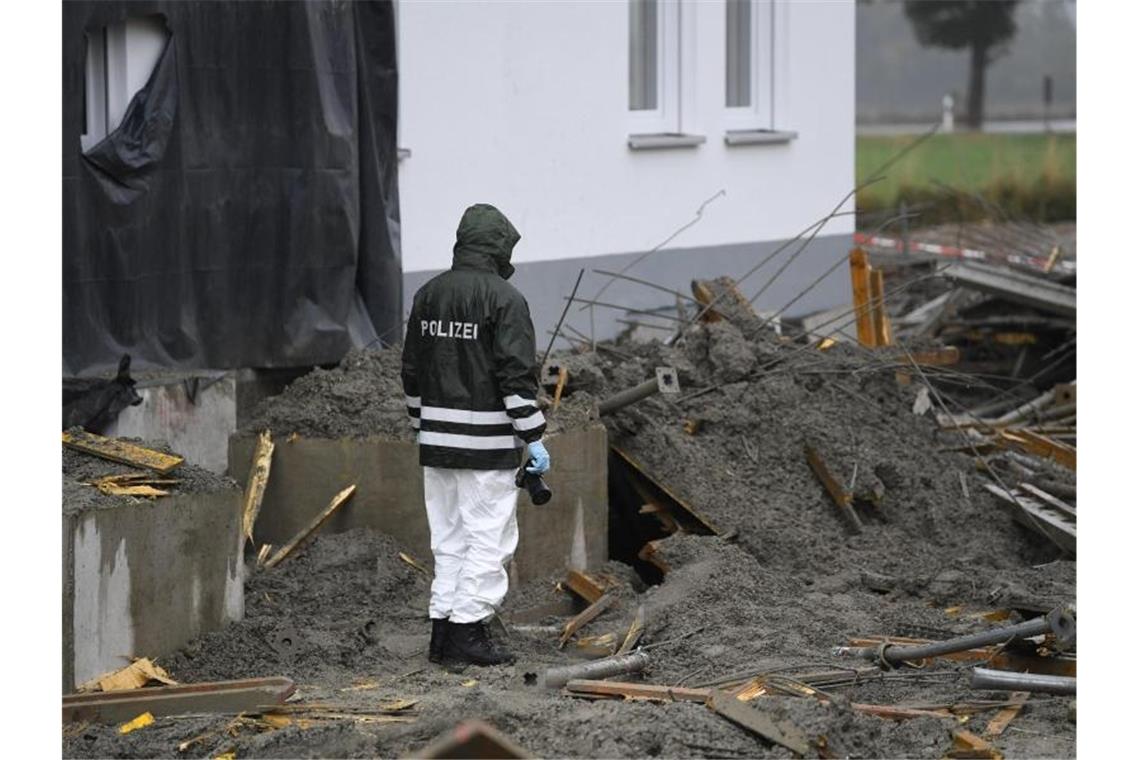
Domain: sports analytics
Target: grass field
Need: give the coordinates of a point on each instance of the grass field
(987, 163)
(969, 161)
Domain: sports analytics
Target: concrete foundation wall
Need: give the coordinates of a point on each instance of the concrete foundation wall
(143, 579)
(570, 530)
(197, 429)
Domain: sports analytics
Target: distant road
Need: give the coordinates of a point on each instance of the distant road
(1022, 126)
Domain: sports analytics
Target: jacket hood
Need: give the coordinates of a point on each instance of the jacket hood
(485, 240)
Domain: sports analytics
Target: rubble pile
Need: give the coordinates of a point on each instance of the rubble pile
(795, 499)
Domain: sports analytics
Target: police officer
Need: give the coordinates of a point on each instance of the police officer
(471, 383)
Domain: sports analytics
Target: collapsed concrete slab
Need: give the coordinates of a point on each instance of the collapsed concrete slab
(569, 531)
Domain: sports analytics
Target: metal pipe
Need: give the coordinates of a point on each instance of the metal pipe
(634, 662)
(1059, 622)
(1004, 680)
(664, 382)
(628, 396)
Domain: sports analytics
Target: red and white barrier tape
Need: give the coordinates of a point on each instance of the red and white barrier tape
(897, 245)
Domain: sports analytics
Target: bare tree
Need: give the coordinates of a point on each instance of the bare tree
(983, 26)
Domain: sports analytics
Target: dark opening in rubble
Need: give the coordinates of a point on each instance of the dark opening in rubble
(642, 512)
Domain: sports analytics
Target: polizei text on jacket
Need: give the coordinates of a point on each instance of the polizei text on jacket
(438, 328)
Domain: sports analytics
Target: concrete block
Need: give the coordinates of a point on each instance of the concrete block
(197, 413)
(143, 579)
(568, 531)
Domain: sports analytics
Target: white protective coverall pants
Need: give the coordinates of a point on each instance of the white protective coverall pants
(471, 514)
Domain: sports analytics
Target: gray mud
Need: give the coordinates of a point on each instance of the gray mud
(80, 469)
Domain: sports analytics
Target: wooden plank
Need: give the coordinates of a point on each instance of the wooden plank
(646, 691)
(1042, 446)
(861, 296)
(892, 712)
(211, 697)
(744, 715)
(563, 376)
(969, 745)
(999, 722)
(838, 493)
(1048, 498)
(937, 357)
(585, 586)
(312, 527)
(584, 617)
(879, 319)
(256, 482)
(636, 628)
(120, 451)
(1053, 525)
(704, 296)
(649, 553)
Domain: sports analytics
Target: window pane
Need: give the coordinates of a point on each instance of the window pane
(738, 60)
(642, 55)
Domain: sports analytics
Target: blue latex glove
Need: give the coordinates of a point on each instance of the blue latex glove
(541, 459)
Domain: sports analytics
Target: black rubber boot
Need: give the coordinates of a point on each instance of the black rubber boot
(439, 630)
(471, 643)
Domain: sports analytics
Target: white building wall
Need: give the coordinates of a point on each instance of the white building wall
(524, 105)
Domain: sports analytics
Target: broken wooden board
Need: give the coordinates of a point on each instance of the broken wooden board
(861, 296)
(839, 495)
(211, 697)
(133, 484)
(636, 628)
(1048, 498)
(999, 722)
(256, 482)
(970, 745)
(584, 617)
(645, 691)
(879, 319)
(587, 586)
(601, 645)
(563, 376)
(122, 452)
(649, 553)
(1042, 446)
(138, 491)
(938, 357)
(473, 738)
(134, 676)
(742, 714)
(1056, 525)
(312, 527)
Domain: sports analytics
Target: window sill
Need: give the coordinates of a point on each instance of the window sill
(758, 137)
(402, 153)
(664, 141)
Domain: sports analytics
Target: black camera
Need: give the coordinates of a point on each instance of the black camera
(540, 493)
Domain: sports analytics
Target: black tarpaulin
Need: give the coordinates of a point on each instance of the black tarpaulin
(245, 211)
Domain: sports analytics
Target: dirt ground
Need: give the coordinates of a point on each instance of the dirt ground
(782, 584)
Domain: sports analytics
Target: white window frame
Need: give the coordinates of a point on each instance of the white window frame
(120, 60)
(666, 118)
(760, 114)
